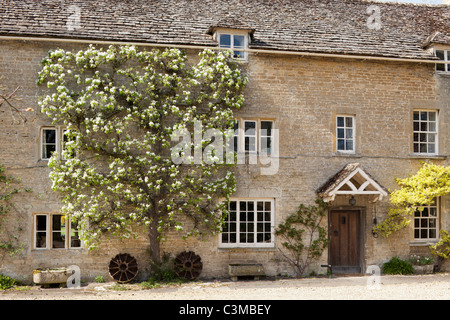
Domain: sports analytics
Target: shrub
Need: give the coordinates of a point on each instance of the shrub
(303, 237)
(7, 282)
(397, 266)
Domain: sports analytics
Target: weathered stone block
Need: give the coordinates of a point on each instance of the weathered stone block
(240, 270)
(45, 276)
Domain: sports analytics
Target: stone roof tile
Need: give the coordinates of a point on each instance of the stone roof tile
(327, 26)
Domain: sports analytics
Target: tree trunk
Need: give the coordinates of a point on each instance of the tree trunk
(155, 250)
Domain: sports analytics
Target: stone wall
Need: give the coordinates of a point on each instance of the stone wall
(302, 95)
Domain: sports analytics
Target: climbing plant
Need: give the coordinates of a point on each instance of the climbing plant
(303, 238)
(123, 107)
(9, 188)
(430, 182)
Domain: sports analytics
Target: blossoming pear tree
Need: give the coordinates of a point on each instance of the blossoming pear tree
(121, 107)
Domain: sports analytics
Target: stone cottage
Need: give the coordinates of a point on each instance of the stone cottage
(352, 93)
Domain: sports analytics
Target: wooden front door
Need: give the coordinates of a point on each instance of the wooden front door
(344, 230)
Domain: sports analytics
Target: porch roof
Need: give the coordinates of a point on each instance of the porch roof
(351, 180)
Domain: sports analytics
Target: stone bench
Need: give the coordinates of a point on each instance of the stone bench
(51, 276)
(245, 270)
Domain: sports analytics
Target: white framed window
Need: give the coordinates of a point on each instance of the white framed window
(55, 231)
(53, 139)
(425, 132)
(426, 222)
(345, 133)
(253, 136)
(234, 41)
(444, 55)
(250, 223)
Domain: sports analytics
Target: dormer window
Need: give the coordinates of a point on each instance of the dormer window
(235, 42)
(444, 55)
(233, 34)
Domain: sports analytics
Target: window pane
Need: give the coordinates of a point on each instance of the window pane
(424, 126)
(424, 223)
(266, 128)
(423, 137)
(250, 128)
(423, 116)
(432, 223)
(260, 205)
(423, 148)
(431, 148)
(58, 231)
(50, 136)
(266, 145)
(349, 144)
(432, 127)
(225, 237)
(340, 121)
(239, 41)
(41, 239)
(432, 234)
(250, 144)
(433, 212)
(423, 233)
(441, 55)
(432, 116)
(41, 223)
(341, 133)
(349, 122)
(225, 41)
(349, 133)
(75, 241)
(341, 144)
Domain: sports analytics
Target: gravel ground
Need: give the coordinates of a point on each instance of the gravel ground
(417, 287)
